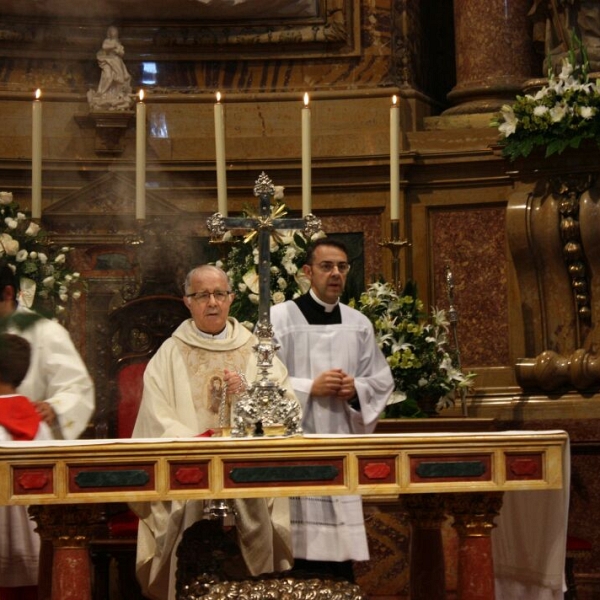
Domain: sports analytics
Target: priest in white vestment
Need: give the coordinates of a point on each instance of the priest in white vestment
(343, 382)
(62, 390)
(197, 369)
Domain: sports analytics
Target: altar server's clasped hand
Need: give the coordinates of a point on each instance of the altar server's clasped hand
(334, 383)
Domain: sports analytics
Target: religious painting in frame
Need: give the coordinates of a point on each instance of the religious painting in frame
(155, 30)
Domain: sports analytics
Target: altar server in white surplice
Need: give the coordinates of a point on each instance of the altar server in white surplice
(59, 385)
(343, 382)
(19, 421)
(185, 383)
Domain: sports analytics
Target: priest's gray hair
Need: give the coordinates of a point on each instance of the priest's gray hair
(196, 271)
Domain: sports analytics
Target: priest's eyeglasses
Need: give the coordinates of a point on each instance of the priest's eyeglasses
(328, 266)
(218, 295)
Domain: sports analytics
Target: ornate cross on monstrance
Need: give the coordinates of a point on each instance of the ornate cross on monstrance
(264, 402)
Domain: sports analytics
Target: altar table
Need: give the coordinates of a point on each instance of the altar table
(460, 466)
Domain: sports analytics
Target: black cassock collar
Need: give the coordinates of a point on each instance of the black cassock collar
(315, 313)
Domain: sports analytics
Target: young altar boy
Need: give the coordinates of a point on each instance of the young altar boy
(19, 421)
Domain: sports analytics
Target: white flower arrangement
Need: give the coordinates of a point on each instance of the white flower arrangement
(417, 349)
(287, 281)
(46, 283)
(561, 115)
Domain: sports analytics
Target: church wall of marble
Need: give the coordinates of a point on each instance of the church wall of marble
(455, 186)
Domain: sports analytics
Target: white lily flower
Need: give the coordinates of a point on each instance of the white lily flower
(509, 126)
(557, 112)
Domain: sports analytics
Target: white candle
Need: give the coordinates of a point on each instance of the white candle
(220, 153)
(306, 159)
(36, 157)
(140, 158)
(394, 160)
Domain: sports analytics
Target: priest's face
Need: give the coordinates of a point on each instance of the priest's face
(208, 298)
(327, 273)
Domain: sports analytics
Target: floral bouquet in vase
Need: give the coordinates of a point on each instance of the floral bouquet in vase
(417, 349)
(46, 282)
(562, 114)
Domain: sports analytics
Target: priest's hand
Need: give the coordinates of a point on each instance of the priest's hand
(46, 412)
(234, 381)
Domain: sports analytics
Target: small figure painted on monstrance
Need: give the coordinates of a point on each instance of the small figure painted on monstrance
(114, 89)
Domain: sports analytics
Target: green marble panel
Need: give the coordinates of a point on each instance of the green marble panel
(283, 473)
(125, 478)
(451, 469)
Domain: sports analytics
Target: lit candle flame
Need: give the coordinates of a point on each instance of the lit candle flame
(306, 99)
(218, 96)
(38, 94)
(394, 99)
(141, 95)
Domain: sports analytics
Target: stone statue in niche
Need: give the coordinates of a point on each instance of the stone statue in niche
(114, 89)
(554, 22)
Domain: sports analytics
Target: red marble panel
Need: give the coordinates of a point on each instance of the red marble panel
(478, 263)
(33, 480)
(188, 475)
(381, 470)
(524, 466)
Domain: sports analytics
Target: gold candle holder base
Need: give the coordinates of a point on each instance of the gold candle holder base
(395, 244)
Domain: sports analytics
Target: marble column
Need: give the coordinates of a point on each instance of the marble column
(70, 529)
(427, 514)
(494, 54)
(474, 520)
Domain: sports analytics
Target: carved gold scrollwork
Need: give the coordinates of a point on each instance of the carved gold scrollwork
(551, 371)
(474, 514)
(67, 527)
(569, 189)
